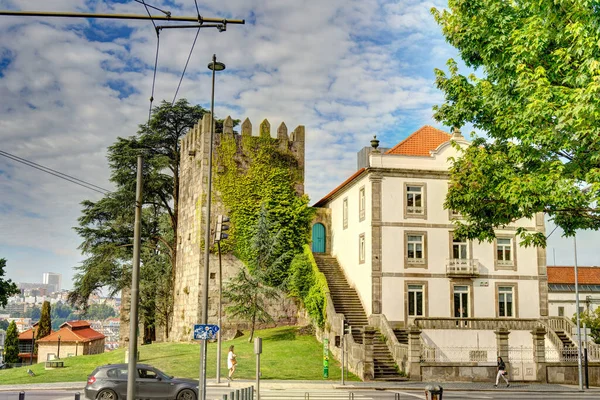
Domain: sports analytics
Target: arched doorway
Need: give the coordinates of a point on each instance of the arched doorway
(318, 238)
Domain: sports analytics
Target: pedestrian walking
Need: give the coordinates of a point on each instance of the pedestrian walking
(231, 362)
(501, 372)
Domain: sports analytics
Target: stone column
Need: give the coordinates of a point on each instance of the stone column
(369, 366)
(502, 346)
(539, 353)
(414, 353)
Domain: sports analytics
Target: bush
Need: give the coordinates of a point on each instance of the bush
(309, 285)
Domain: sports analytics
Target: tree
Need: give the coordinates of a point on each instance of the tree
(7, 287)
(99, 312)
(592, 321)
(106, 226)
(11, 344)
(248, 296)
(249, 290)
(536, 97)
(45, 325)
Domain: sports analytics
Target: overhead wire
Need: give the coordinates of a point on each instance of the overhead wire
(155, 58)
(185, 68)
(167, 13)
(56, 173)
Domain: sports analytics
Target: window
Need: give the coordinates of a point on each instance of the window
(147, 374)
(561, 311)
(504, 251)
(361, 204)
(461, 301)
(345, 213)
(505, 301)
(415, 201)
(460, 249)
(361, 248)
(505, 247)
(415, 300)
(415, 249)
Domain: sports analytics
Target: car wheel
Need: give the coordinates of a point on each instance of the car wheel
(106, 394)
(186, 394)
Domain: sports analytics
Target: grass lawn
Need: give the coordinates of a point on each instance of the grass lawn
(286, 355)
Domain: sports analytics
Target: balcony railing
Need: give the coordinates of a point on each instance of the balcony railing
(462, 267)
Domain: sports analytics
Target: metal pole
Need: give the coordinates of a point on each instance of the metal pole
(135, 282)
(196, 18)
(258, 376)
(585, 357)
(58, 351)
(220, 315)
(343, 382)
(579, 369)
(207, 228)
(32, 345)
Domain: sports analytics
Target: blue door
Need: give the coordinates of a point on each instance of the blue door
(318, 238)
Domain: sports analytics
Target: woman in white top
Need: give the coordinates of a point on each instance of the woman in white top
(231, 362)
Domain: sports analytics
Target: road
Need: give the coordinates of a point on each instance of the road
(337, 394)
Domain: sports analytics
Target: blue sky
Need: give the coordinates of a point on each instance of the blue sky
(346, 69)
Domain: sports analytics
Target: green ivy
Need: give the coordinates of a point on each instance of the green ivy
(252, 171)
(309, 285)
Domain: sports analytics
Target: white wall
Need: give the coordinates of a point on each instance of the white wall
(567, 300)
(345, 241)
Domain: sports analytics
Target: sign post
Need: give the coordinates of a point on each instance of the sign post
(325, 358)
(257, 351)
(204, 333)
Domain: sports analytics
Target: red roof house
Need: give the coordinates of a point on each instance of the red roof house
(74, 338)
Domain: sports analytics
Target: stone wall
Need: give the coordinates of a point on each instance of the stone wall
(189, 270)
(567, 373)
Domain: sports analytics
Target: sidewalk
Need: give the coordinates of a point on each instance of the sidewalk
(351, 386)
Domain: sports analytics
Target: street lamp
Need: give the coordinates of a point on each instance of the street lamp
(579, 367)
(213, 66)
(58, 352)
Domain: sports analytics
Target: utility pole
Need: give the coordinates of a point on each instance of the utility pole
(579, 350)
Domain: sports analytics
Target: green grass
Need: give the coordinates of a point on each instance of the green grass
(286, 355)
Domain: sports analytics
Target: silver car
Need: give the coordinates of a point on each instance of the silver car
(109, 382)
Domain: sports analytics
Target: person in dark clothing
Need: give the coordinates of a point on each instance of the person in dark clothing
(501, 372)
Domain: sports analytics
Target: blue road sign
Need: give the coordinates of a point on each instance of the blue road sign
(205, 332)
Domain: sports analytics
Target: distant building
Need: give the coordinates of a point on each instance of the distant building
(74, 338)
(561, 290)
(23, 324)
(53, 279)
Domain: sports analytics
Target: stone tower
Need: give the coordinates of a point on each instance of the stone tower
(189, 270)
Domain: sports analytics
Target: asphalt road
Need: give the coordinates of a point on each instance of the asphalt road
(336, 394)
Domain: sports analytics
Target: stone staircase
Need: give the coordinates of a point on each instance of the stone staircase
(346, 301)
(565, 339)
(401, 335)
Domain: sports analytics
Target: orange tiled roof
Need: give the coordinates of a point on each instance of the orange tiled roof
(566, 275)
(334, 191)
(421, 142)
(76, 324)
(77, 335)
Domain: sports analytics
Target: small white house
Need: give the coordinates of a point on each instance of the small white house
(561, 290)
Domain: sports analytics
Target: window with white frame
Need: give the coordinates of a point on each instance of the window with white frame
(506, 301)
(561, 311)
(415, 249)
(504, 253)
(361, 204)
(415, 300)
(460, 249)
(345, 212)
(414, 200)
(361, 248)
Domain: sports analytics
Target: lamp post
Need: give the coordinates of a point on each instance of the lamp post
(58, 351)
(578, 317)
(32, 344)
(213, 66)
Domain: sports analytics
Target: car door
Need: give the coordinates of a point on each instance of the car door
(117, 381)
(152, 385)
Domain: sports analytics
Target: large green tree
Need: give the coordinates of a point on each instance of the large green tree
(106, 226)
(535, 94)
(7, 287)
(11, 344)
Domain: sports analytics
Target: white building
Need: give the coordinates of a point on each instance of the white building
(51, 278)
(561, 290)
(388, 229)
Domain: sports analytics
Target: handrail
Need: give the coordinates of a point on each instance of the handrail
(399, 351)
(476, 323)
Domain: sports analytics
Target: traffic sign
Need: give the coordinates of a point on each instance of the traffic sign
(205, 332)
